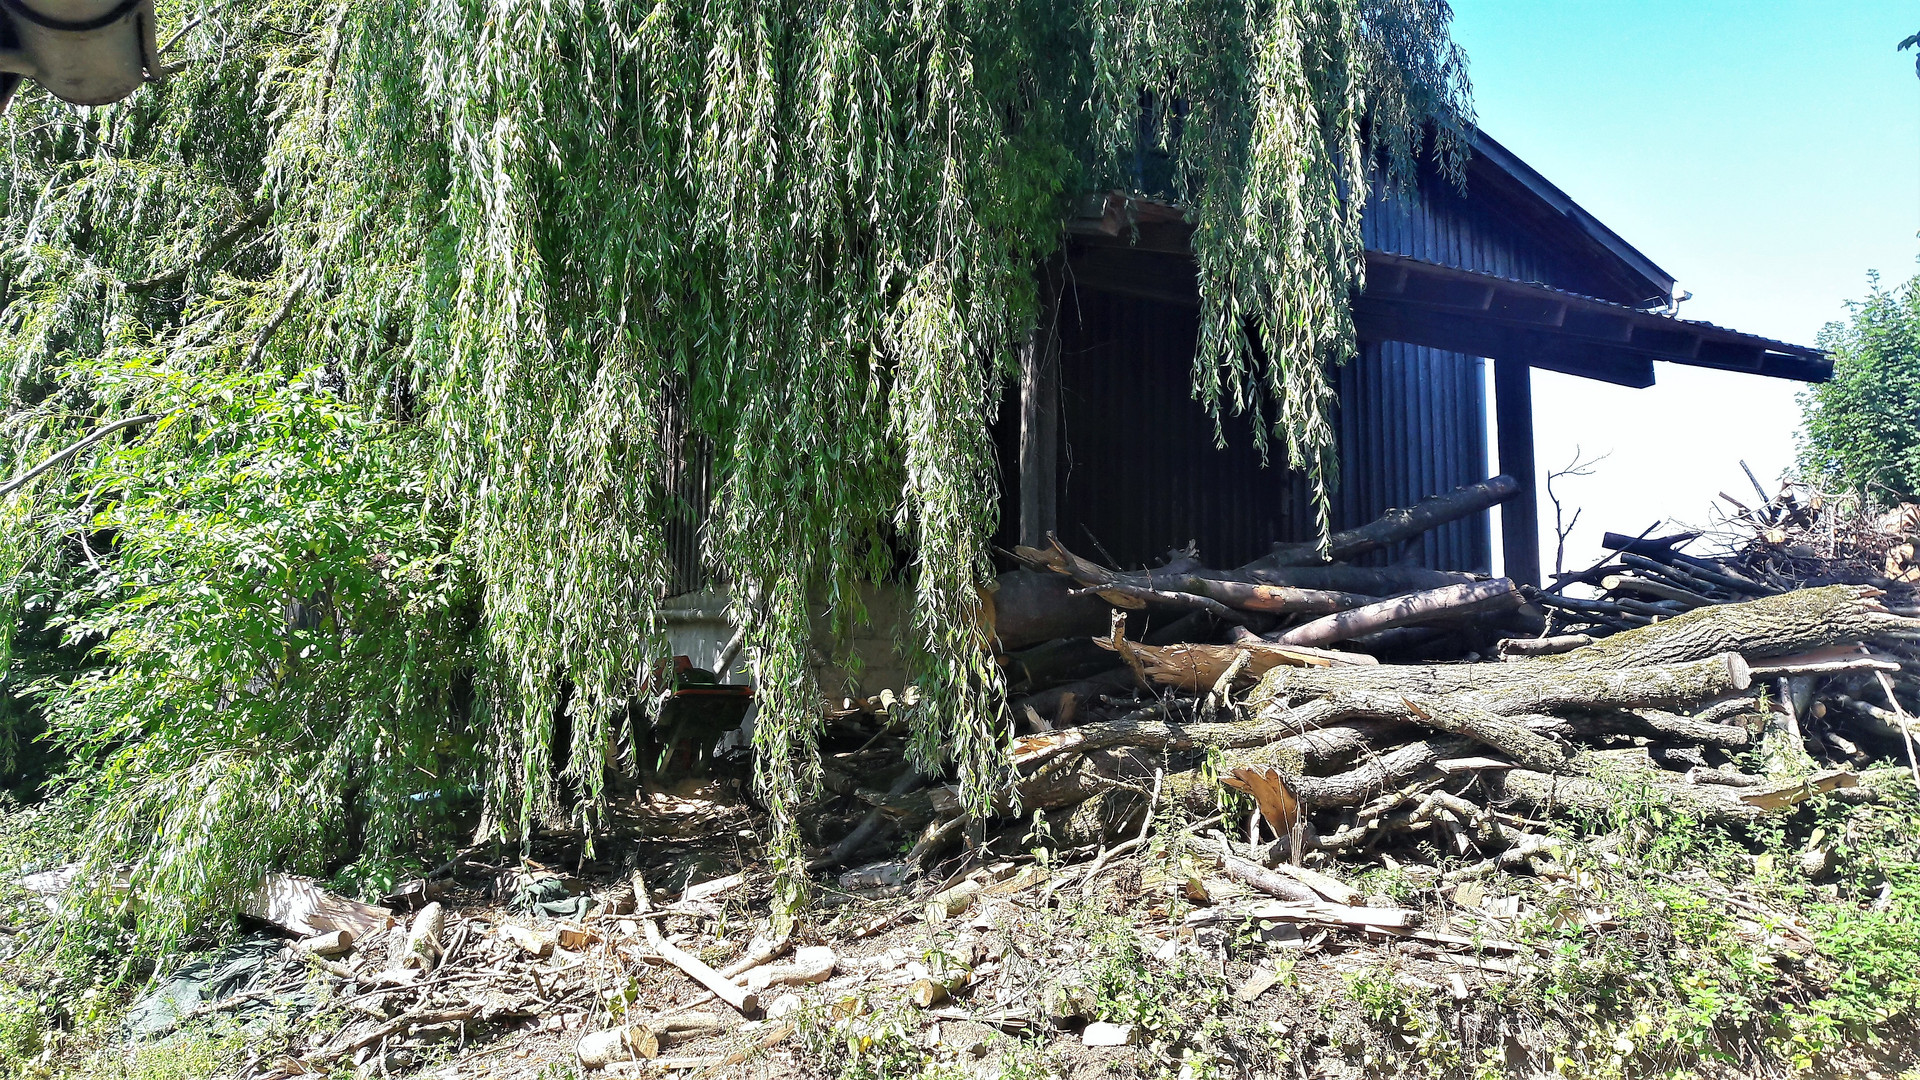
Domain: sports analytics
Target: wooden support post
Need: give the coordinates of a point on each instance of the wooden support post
(1520, 515)
(1040, 419)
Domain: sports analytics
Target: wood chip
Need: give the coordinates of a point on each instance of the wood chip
(1261, 981)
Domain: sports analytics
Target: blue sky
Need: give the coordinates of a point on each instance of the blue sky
(1767, 154)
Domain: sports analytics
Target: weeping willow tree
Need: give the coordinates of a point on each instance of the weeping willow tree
(414, 302)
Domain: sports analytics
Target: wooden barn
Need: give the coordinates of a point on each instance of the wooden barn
(1105, 445)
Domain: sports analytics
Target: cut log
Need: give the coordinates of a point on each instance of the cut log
(1267, 881)
(1656, 687)
(929, 992)
(332, 943)
(1659, 590)
(1770, 626)
(813, 964)
(1664, 726)
(1398, 524)
(1382, 918)
(1437, 605)
(423, 948)
(741, 998)
(1332, 889)
(1254, 596)
(1598, 797)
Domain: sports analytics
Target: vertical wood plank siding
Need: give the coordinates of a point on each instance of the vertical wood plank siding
(1139, 469)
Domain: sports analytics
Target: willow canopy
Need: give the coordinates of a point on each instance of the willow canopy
(423, 297)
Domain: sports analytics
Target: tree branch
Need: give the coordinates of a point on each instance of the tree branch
(90, 439)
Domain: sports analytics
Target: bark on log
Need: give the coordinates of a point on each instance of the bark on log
(1459, 715)
(1545, 646)
(1654, 686)
(1371, 580)
(1196, 668)
(1659, 590)
(1664, 726)
(1594, 796)
(1380, 773)
(1397, 524)
(1770, 626)
(1252, 873)
(1254, 596)
(1437, 605)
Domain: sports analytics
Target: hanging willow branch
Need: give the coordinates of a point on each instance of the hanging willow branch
(558, 242)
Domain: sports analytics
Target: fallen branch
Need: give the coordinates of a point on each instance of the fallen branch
(741, 998)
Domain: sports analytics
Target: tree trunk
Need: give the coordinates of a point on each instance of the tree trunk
(1770, 626)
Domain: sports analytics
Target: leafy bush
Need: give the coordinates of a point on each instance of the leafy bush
(282, 626)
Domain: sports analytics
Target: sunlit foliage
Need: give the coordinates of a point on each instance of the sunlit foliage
(1862, 428)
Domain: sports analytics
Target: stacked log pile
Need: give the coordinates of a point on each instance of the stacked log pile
(1366, 707)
